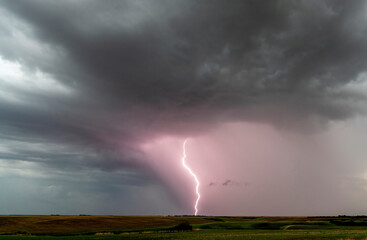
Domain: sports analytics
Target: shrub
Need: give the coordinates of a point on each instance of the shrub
(184, 226)
(267, 225)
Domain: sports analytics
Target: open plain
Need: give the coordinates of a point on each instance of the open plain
(165, 227)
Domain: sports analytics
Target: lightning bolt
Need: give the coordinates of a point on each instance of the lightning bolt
(192, 174)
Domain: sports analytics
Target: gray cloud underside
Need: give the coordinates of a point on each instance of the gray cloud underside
(183, 58)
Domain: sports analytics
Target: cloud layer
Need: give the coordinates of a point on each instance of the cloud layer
(83, 85)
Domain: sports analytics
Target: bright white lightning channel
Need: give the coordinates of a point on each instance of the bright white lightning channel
(192, 174)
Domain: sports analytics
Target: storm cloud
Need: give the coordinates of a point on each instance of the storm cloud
(83, 85)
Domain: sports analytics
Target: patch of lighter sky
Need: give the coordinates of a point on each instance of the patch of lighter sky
(20, 169)
(13, 77)
(359, 85)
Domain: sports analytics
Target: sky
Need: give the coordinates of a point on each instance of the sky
(97, 98)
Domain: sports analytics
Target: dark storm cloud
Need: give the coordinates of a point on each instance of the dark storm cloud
(213, 184)
(197, 60)
(203, 61)
(142, 68)
(229, 182)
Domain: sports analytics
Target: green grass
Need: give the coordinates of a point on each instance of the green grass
(219, 234)
(142, 228)
(266, 225)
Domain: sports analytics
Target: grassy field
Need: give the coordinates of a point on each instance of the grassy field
(118, 227)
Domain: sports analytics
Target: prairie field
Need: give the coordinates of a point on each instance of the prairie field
(166, 227)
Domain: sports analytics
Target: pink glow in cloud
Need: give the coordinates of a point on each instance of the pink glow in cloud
(248, 169)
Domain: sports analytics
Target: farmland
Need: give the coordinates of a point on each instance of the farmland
(162, 227)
